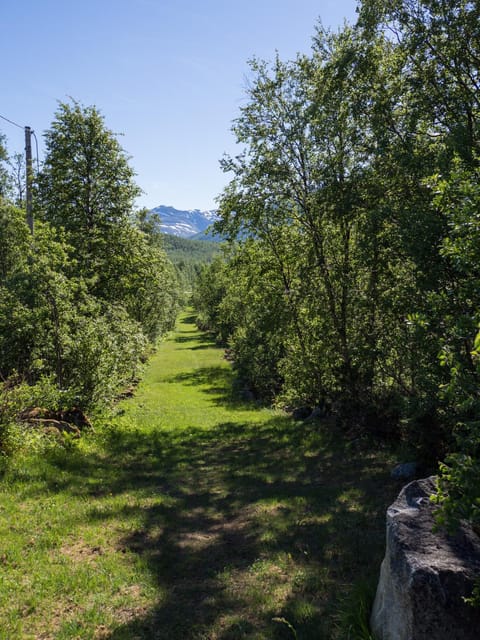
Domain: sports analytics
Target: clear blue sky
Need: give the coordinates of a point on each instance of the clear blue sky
(168, 74)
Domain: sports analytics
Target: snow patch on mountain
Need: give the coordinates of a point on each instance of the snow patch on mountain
(184, 224)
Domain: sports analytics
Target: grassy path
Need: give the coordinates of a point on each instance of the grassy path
(192, 515)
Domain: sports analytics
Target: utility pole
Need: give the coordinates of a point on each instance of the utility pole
(28, 162)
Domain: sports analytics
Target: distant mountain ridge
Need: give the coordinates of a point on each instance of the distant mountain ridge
(184, 224)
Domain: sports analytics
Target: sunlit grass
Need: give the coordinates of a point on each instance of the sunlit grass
(191, 515)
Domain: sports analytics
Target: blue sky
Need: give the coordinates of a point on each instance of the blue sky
(169, 75)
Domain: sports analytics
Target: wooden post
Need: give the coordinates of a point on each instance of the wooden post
(29, 176)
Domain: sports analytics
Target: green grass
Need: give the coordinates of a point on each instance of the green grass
(192, 515)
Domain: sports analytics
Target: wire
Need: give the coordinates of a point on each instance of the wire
(36, 145)
(12, 122)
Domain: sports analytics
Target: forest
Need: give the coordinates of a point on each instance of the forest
(188, 255)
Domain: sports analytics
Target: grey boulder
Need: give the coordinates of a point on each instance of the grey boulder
(425, 575)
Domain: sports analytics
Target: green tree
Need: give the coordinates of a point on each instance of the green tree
(311, 182)
(51, 327)
(5, 186)
(441, 44)
(86, 185)
(458, 196)
(86, 188)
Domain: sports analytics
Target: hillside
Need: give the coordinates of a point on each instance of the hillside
(188, 249)
(188, 255)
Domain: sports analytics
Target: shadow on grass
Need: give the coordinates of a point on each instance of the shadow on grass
(244, 524)
(191, 319)
(249, 531)
(190, 338)
(217, 382)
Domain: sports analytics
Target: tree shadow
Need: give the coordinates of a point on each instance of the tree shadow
(245, 526)
(191, 319)
(224, 501)
(218, 382)
(192, 338)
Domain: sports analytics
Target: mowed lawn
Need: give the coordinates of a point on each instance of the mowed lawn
(193, 515)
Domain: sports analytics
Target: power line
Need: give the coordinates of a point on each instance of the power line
(15, 124)
(12, 122)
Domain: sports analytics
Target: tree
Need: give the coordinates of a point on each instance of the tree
(4, 174)
(86, 188)
(310, 188)
(86, 185)
(458, 196)
(441, 44)
(18, 178)
(52, 328)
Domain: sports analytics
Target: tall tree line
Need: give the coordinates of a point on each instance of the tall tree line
(84, 298)
(352, 277)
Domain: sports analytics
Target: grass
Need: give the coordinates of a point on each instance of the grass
(193, 515)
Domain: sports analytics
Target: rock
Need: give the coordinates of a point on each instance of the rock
(75, 416)
(32, 413)
(129, 392)
(71, 420)
(52, 431)
(59, 425)
(404, 471)
(317, 414)
(301, 413)
(425, 576)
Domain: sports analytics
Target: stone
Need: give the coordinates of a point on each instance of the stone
(67, 420)
(33, 413)
(52, 431)
(301, 413)
(425, 575)
(59, 425)
(76, 417)
(404, 471)
(318, 413)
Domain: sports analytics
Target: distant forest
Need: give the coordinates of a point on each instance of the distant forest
(188, 256)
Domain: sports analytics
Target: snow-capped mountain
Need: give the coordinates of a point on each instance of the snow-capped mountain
(185, 224)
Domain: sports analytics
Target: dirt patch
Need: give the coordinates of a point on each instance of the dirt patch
(66, 610)
(80, 551)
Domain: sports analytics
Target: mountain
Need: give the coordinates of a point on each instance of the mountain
(185, 224)
(209, 235)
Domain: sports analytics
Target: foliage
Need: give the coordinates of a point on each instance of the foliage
(210, 289)
(246, 316)
(86, 188)
(4, 178)
(138, 275)
(86, 185)
(308, 189)
(353, 282)
(188, 256)
(82, 299)
(51, 326)
(459, 198)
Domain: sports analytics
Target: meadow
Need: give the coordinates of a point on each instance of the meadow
(193, 514)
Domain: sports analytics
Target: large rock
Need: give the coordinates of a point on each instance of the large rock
(425, 576)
